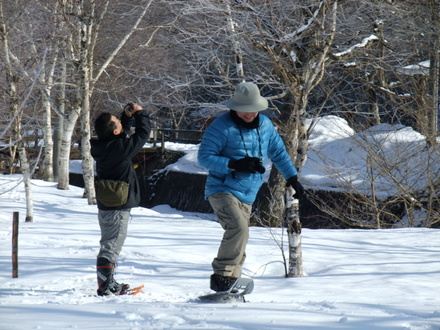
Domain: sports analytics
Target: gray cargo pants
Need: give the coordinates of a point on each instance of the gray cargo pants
(233, 216)
(113, 226)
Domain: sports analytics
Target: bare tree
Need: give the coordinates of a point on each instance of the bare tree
(298, 52)
(81, 61)
(84, 21)
(12, 79)
(390, 81)
(434, 70)
(283, 47)
(14, 72)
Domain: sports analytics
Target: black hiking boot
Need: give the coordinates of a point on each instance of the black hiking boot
(107, 285)
(222, 283)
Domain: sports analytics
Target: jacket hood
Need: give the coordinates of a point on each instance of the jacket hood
(97, 148)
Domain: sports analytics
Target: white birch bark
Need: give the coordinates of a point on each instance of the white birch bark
(86, 88)
(11, 87)
(294, 234)
(66, 140)
(27, 175)
(46, 90)
(59, 125)
(236, 43)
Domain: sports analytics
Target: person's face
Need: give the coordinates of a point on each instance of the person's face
(118, 130)
(247, 117)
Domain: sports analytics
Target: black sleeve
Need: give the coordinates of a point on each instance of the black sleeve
(141, 133)
(127, 122)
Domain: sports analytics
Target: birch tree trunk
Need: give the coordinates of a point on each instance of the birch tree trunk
(79, 41)
(433, 81)
(86, 90)
(236, 43)
(87, 160)
(66, 140)
(13, 70)
(59, 125)
(11, 81)
(27, 175)
(46, 83)
(295, 268)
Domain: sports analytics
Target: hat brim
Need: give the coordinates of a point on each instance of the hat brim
(260, 105)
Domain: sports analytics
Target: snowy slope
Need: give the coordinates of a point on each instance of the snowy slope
(357, 279)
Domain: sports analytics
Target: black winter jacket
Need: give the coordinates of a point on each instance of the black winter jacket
(114, 157)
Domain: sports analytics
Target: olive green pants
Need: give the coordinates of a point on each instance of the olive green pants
(233, 216)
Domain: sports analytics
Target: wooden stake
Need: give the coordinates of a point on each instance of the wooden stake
(15, 245)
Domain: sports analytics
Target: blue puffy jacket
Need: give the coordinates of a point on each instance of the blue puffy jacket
(222, 142)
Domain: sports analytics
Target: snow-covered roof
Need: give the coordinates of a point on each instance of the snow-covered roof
(414, 69)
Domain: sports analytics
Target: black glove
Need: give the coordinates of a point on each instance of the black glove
(295, 184)
(247, 164)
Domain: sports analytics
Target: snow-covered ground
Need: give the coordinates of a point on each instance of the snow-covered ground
(356, 279)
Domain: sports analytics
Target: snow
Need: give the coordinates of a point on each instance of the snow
(391, 157)
(421, 68)
(356, 279)
(362, 44)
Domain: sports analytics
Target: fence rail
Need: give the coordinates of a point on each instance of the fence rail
(158, 137)
(179, 135)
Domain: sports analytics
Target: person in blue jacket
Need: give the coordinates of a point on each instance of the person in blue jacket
(234, 149)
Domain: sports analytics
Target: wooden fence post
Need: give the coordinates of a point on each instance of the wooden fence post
(15, 245)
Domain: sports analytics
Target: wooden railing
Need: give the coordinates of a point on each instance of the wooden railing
(160, 135)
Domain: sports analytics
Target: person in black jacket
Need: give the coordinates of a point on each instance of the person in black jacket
(113, 152)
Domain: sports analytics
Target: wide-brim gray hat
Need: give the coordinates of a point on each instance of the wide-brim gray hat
(247, 98)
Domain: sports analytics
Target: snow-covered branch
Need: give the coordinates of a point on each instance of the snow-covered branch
(365, 43)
